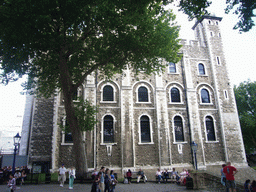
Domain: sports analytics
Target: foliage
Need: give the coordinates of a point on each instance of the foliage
(244, 8)
(85, 113)
(246, 103)
(59, 43)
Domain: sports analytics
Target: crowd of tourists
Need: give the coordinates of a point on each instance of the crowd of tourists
(104, 180)
(18, 178)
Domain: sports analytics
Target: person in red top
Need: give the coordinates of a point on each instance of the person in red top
(230, 171)
(129, 176)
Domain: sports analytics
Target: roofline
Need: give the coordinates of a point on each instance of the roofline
(206, 17)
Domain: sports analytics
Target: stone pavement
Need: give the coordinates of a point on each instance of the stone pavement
(133, 187)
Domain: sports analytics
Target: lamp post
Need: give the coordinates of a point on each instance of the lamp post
(16, 140)
(194, 149)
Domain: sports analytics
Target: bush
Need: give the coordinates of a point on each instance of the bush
(54, 177)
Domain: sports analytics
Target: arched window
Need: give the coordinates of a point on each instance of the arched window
(205, 96)
(143, 94)
(175, 95)
(108, 129)
(172, 67)
(145, 129)
(178, 128)
(201, 69)
(108, 93)
(210, 128)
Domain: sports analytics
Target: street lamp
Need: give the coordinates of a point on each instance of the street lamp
(194, 149)
(16, 140)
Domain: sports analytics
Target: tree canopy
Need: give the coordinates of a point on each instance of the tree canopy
(245, 9)
(58, 43)
(246, 104)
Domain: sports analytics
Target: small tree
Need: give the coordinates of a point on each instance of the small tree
(246, 103)
(59, 43)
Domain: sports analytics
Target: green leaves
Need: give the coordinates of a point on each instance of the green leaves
(246, 103)
(245, 9)
(85, 113)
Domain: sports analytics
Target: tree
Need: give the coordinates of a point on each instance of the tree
(246, 104)
(244, 8)
(59, 43)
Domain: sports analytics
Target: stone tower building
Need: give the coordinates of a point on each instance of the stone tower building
(149, 121)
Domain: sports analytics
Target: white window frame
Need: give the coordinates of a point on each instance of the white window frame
(150, 129)
(79, 93)
(63, 133)
(181, 95)
(176, 73)
(173, 130)
(210, 96)
(205, 71)
(137, 94)
(114, 92)
(102, 129)
(205, 129)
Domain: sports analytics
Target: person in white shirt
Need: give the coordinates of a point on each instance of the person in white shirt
(72, 176)
(159, 175)
(62, 175)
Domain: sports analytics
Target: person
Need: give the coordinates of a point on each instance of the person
(183, 176)
(94, 173)
(95, 184)
(12, 183)
(113, 181)
(62, 175)
(17, 176)
(230, 171)
(72, 176)
(247, 185)
(165, 175)
(253, 186)
(129, 176)
(223, 176)
(101, 183)
(140, 176)
(174, 175)
(159, 175)
(23, 176)
(107, 181)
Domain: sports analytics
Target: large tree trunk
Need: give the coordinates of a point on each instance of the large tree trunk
(77, 135)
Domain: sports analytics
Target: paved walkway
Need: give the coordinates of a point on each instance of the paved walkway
(134, 187)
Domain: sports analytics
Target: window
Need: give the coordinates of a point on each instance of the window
(175, 95)
(210, 128)
(108, 94)
(225, 94)
(108, 129)
(218, 60)
(66, 134)
(211, 34)
(143, 94)
(205, 98)
(145, 129)
(201, 69)
(178, 129)
(172, 67)
(75, 95)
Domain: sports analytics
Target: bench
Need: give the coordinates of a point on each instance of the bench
(135, 176)
(170, 178)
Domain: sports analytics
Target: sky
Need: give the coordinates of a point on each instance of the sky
(239, 49)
